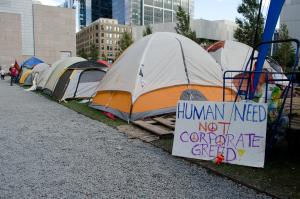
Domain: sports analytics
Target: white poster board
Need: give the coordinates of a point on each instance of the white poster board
(237, 130)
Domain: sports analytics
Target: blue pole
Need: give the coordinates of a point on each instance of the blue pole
(273, 15)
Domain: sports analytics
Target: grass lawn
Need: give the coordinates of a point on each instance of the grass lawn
(84, 109)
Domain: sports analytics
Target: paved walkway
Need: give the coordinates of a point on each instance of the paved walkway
(49, 151)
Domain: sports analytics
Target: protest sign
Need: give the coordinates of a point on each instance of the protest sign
(237, 130)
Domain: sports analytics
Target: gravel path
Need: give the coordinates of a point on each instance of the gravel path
(49, 151)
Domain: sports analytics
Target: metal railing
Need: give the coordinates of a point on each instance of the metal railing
(272, 89)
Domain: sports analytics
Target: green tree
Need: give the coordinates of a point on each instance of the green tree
(94, 53)
(183, 24)
(285, 54)
(103, 57)
(247, 25)
(125, 41)
(147, 31)
(82, 54)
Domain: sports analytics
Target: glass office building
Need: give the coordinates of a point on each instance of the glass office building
(101, 9)
(143, 12)
(91, 10)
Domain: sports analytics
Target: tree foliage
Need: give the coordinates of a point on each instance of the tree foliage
(147, 31)
(125, 41)
(247, 25)
(285, 54)
(83, 54)
(103, 57)
(183, 24)
(94, 53)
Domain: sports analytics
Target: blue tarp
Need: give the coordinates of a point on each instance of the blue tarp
(31, 62)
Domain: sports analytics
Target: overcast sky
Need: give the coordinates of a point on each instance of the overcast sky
(205, 9)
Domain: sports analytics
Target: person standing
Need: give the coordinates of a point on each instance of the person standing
(13, 74)
(2, 73)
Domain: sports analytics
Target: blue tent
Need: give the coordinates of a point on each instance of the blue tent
(31, 62)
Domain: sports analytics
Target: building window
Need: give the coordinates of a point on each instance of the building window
(102, 34)
(148, 2)
(96, 27)
(168, 4)
(176, 4)
(158, 15)
(148, 15)
(168, 16)
(97, 41)
(158, 3)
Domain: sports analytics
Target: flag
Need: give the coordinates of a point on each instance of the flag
(17, 66)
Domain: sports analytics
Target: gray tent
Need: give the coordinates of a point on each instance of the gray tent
(80, 80)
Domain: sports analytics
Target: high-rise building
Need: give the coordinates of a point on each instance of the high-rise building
(143, 12)
(290, 16)
(68, 4)
(101, 9)
(91, 10)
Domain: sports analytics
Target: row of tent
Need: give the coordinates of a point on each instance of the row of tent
(68, 78)
(148, 78)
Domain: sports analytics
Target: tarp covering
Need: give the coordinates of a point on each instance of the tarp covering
(31, 62)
